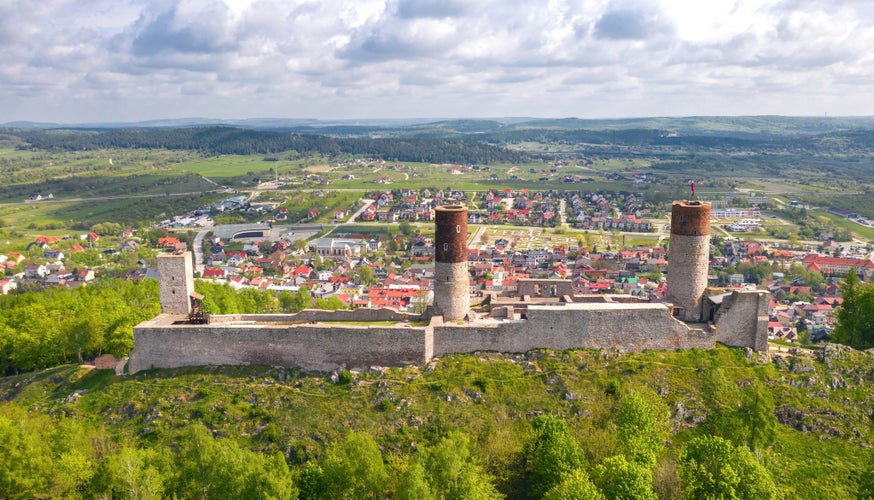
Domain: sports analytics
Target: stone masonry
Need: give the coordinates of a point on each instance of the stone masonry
(318, 340)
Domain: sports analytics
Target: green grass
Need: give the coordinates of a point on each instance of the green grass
(232, 166)
(860, 230)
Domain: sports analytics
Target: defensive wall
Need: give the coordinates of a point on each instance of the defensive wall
(630, 327)
(294, 340)
(742, 320)
(275, 341)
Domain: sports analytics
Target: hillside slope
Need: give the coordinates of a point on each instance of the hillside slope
(806, 414)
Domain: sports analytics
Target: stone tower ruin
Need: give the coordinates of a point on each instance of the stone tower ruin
(451, 279)
(175, 282)
(688, 257)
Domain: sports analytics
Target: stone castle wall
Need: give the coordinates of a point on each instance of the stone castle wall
(305, 341)
(267, 339)
(358, 315)
(742, 320)
(631, 327)
(310, 347)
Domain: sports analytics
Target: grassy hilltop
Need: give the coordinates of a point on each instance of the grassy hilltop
(806, 416)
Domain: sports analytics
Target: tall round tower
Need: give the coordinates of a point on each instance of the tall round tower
(451, 280)
(688, 257)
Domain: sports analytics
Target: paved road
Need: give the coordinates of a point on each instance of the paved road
(474, 239)
(354, 216)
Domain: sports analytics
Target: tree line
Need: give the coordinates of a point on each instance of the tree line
(227, 140)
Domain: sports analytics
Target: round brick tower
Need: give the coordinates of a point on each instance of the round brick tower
(451, 280)
(688, 257)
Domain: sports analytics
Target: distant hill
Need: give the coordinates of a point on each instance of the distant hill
(243, 141)
(705, 125)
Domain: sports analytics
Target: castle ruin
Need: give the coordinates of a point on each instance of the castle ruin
(541, 314)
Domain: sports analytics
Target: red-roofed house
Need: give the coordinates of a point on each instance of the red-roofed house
(213, 272)
(168, 242)
(838, 265)
(7, 285)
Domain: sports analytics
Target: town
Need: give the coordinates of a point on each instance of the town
(363, 264)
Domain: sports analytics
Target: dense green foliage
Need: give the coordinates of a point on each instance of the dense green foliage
(714, 468)
(463, 427)
(45, 328)
(856, 316)
(551, 453)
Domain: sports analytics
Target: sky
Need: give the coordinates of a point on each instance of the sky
(81, 61)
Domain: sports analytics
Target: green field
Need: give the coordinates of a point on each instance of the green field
(862, 231)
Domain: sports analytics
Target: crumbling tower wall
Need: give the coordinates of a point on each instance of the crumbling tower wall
(451, 279)
(175, 282)
(688, 257)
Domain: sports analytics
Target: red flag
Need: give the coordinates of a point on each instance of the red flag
(692, 185)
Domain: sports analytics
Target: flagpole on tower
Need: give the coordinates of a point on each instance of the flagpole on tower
(692, 186)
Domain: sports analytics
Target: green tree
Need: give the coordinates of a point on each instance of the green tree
(575, 485)
(353, 468)
(714, 468)
(643, 427)
(311, 483)
(855, 318)
(25, 457)
(618, 478)
(550, 452)
(133, 473)
(405, 228)
(414, 484)
(755, 481)
(722, 398)
(757, 413)
(301, 299)
(865, 490)
(453, 473)
(364, 275)
(221, 468)
(332, 303)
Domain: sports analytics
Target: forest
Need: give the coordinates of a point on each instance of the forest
(555, 425)
(224, 140)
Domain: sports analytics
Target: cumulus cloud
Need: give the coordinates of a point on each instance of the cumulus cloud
(132, 59)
